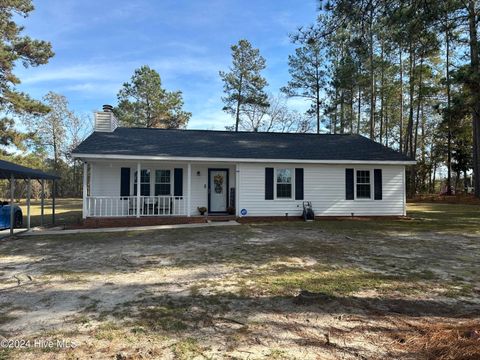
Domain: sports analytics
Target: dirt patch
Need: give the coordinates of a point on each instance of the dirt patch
(342, 289)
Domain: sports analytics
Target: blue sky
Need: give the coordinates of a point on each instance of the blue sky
(98, 44)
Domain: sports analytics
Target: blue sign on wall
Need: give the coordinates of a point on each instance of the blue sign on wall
(243, 212)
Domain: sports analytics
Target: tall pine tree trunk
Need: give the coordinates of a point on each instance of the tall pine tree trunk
(386, 124)
(382, 91)
(342, 111)
(449, 114)
(423, 149)
(413, 169)
(372, 80)
(351, 108)
(335, 114)
(239, 101)
(401, 103)
(317, 94)
(474, 85)
(419, 105)
(359, 115)
(409, 135)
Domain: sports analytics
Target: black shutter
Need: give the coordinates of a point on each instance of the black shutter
(377, 178)
(268, 183)
(298, 184)
(178, 182)
(349, 184)
(125, 181)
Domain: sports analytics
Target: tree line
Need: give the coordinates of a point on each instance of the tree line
(404, 73)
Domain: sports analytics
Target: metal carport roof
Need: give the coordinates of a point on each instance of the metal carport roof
(7, 169)
(11, 171)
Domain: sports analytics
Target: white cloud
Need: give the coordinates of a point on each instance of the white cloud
(168, 67)
(94, 88)
(74, 72)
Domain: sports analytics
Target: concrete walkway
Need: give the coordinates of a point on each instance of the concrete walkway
(6, 232)
(34, 232)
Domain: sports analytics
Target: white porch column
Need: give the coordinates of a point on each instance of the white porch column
(84, 190)
(237, 190)
(29, 194)
(138, 189)
(189, 188)
(90, 177)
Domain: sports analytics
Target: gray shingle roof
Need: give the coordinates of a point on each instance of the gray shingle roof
(242, 145)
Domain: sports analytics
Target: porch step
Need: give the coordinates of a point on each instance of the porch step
(213, 218)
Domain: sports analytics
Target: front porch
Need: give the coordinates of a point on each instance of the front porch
(113, 189)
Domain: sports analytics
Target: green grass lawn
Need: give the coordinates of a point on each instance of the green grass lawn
(67, 211)
(448, 218)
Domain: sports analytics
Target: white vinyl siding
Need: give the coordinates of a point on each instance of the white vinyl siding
(324, 186)
(105, 180)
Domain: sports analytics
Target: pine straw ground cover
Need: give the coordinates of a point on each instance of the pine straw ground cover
(441, 340)
(344, 289)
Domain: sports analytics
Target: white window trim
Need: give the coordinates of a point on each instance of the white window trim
(134, 185)
(355, 184)
(155, 180)
(292, 172)
(152, 180)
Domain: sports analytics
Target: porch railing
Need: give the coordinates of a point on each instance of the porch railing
(121, 206)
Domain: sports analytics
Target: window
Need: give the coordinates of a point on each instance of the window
(284, 183)
(363, 184)
(162, 182)
(144, 183)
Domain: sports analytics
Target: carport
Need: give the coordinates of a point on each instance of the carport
(12, 172)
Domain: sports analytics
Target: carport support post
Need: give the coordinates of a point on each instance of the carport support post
(54, 190)
(29, 194)
(42, 201)
(189, 188)
(12, 191)
(138, 188)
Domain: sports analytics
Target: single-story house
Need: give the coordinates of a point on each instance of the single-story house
(144, 172)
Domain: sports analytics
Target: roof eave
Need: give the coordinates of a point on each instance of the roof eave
(249, 160)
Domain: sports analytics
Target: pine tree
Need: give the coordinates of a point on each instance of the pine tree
(17, 48)
(306, 68)
(144, 102)
(243, 84)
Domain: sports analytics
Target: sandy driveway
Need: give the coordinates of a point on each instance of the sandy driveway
(252, 291)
